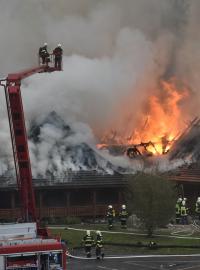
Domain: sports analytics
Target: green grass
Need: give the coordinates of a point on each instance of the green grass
(73, 239)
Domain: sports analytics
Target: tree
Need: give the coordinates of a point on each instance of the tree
(152, 198)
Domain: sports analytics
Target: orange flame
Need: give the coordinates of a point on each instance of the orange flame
(160, 125)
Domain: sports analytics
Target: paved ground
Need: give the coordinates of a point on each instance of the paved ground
(164, 263)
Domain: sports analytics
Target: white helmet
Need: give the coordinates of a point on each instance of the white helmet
(59, 45)
(179, 200)
(183, 203)
(98, 233)
(124, 206)
(45, 44)
(198, 199)
(185, 199)
(110, 207)
(88, 232)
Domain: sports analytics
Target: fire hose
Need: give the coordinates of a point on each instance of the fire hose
(142, 234)
(132, 256)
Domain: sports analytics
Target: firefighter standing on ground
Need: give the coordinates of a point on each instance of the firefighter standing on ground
(43, 54)
(178, 210)
(88, 242)
(197, 207)
(123, 215)
(99, 246)
(57, 52)
(184, 212)
(110, 216)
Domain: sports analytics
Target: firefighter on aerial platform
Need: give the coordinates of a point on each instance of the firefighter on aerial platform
(88, 242)
(44, 54)
(110, 216)
(57, 52)
(123, 215)
(99, 246)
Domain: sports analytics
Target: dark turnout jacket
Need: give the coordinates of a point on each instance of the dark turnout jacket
(58, 52)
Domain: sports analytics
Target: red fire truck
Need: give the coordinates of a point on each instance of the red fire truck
(26, 245)
(21, 248)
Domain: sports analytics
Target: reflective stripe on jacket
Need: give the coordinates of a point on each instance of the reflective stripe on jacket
(111, 213)
(178, 208)
(184, 211)
(99, 242)
(88, 241)
(197, 209)
(123, 215)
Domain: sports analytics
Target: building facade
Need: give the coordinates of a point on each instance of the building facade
(86, 193)
(83, 194)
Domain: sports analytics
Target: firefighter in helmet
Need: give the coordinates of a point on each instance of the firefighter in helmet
(110, 216)
(99, 245)
(57, 52)
(88, 242)
(197, 207)
(178, 209)
(123, 215)
(184, 213)
(44, 54)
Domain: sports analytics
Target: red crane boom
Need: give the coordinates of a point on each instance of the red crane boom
(19, 138)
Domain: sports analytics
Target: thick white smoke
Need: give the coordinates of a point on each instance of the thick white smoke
(112, 49)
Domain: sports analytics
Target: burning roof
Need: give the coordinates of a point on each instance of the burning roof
(54, 154)
(124, 83)
(188, 144)
(158, 126)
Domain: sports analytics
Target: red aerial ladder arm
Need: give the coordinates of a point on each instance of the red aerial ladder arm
(13, 77)
(20, 140)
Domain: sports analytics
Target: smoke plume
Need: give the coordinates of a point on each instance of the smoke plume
(115, 52)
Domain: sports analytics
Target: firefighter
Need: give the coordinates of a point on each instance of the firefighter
(99, 245)
(184, 213)
(123, 217)
(197, 208)
(152, 245)
(178, 210)
(57, 52)
(88, 242)
(110, 216)
(43, 54)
